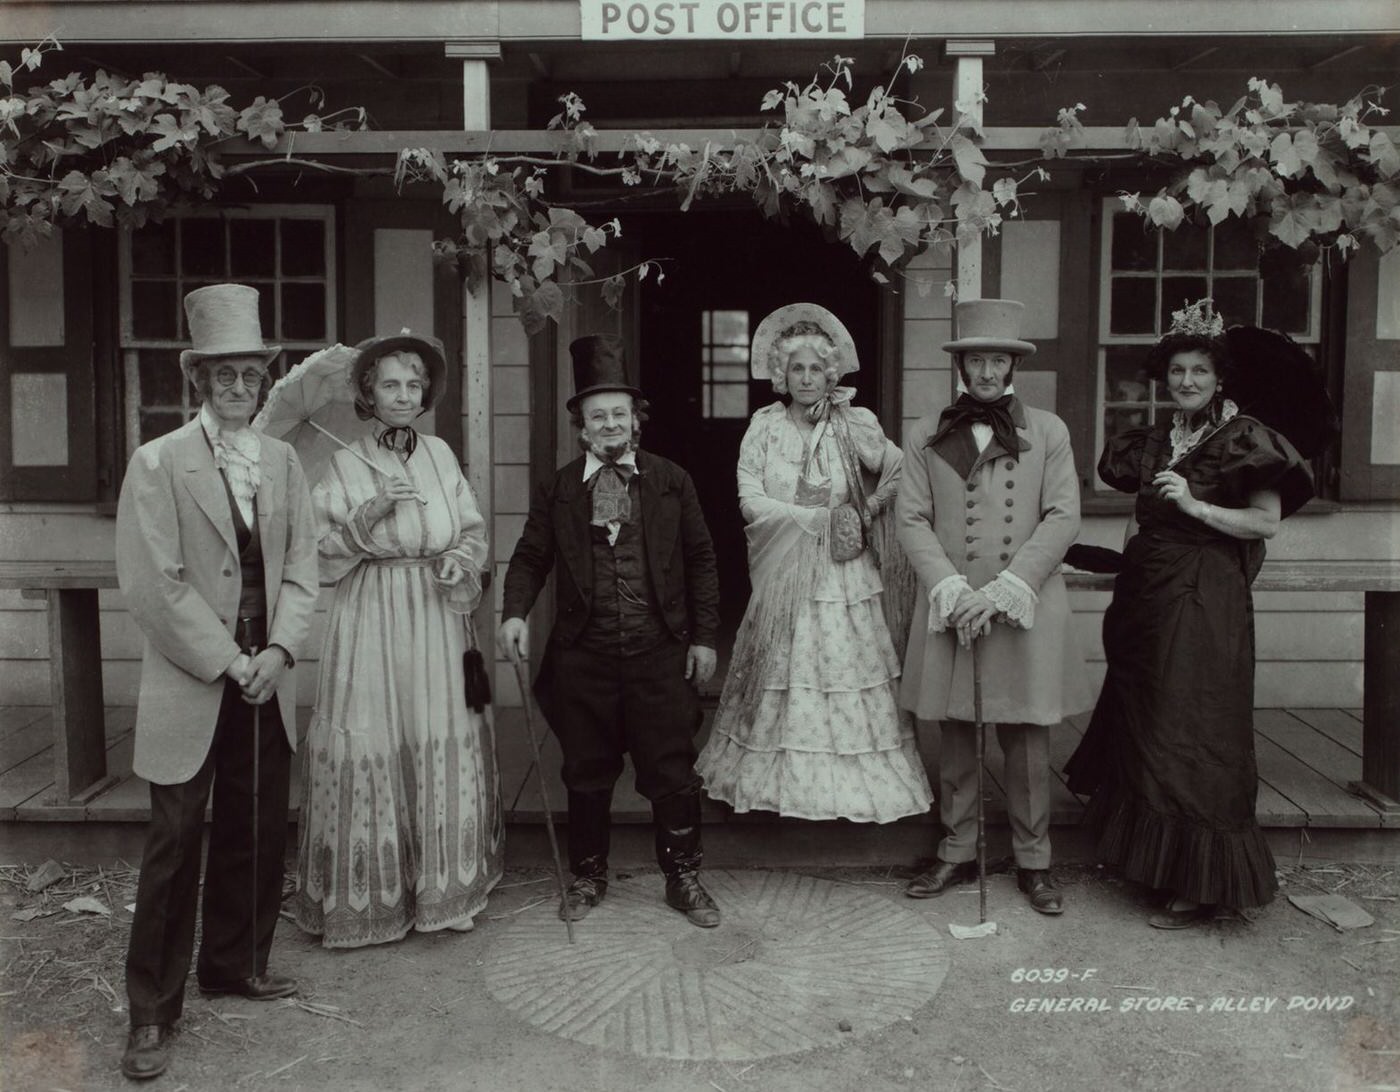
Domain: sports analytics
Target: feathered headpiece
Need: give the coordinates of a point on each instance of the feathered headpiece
(1197, 320)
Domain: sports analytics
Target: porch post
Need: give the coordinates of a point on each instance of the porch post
(476, 306)
(967, 89)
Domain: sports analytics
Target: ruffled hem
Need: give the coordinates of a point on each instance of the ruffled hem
(869, 787)
(1231, 868)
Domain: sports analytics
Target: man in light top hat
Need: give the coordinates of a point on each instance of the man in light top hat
(216, 558)
(988, 505)
(637, 607)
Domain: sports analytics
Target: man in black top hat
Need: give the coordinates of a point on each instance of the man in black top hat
(634, 631)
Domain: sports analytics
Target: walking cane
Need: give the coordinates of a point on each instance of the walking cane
(544, 796)
(252, 652)
(981, 805)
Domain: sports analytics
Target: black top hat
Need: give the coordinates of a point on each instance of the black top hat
(600, 364)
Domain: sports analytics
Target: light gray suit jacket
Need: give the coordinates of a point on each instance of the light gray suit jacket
(177, 564)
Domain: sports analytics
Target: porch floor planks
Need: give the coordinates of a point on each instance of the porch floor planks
(1305, 758)
(1321, 754)
(1319, 799)
(1337, 725)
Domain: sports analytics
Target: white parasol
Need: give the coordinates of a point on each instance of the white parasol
(312, 408)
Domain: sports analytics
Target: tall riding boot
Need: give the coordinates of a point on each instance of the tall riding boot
(590, 817)
(679, 854)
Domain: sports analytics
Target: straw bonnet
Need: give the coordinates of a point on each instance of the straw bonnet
(600, 364)
(223, 321)
(772, 328)
(428, 348)
(989, 325)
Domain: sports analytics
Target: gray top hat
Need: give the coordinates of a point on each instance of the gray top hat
(223, 321)
(989, 325)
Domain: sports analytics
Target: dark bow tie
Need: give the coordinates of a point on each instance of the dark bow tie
(401, 438)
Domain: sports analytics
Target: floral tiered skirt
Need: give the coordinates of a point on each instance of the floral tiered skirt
(818, 733)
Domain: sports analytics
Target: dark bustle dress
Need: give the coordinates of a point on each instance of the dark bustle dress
(1169, 754)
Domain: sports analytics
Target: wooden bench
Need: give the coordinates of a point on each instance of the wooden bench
(75, 660)
(75, 666)
(1380, 581)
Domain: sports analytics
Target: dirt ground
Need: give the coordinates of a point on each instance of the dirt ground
(1156, 1010)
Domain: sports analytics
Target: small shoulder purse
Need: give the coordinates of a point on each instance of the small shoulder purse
(850, 523)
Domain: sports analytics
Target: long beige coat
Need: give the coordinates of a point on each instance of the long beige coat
(177, 564)
(1008, 514)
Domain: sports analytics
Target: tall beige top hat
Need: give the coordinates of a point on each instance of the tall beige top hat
(223, 321)
(989, 325)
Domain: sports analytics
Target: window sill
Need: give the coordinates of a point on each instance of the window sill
(51, 508)
(1122, 505)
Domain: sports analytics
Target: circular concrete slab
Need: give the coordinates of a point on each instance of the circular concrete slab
(795, 958)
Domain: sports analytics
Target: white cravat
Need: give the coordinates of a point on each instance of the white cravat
(236, 453)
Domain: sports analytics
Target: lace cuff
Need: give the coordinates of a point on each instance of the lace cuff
(1013, 598)
(942, 598)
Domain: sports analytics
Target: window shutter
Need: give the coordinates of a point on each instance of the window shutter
(1370, 451)
(48, 446)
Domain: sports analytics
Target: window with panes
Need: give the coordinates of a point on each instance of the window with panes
(1148, 273)
(725, 363)
(286, 252)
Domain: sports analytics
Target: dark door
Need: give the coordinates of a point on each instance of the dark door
(724, 272)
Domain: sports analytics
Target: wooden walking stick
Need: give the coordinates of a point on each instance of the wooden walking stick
(981, 805)
(257, 755)
(544, 796)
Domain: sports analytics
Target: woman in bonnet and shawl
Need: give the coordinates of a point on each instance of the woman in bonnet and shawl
(1169, 754)
(808, 723)
(401, 824)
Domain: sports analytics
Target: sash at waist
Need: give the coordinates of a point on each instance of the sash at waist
(405, 562)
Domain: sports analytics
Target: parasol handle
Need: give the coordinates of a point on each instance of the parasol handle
(331, 435)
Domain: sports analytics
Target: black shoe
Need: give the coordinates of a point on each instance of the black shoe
(581, 896)
(943, 875)
(147, 1052)
(684, 893)
(1044, 897)
(261, 987)
(1182, 919)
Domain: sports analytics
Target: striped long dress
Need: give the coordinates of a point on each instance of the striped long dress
(401, 823)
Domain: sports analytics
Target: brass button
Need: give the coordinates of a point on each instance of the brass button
(971, 486)
(1009, 502)
(1006, 539)
(972, 504)
(971, 538)
(1006, 557)
(1009, 518)
(228, 572)
(1010, 464)
(1010, 484)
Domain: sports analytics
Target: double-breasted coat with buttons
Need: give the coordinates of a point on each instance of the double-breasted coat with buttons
(178, 568)
(1020, 514)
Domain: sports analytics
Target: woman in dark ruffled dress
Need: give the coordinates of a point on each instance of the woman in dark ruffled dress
(1169, 754)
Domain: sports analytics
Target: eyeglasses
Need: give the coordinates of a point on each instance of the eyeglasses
(252, 377)
(603, 417)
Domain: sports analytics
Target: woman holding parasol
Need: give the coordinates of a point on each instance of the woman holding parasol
(1169, 754)
(401, 824)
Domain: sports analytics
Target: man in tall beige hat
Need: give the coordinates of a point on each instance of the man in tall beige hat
(216, 557)
(988, 505)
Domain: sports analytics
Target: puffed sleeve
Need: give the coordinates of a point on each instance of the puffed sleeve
(1120, 465)
(1256, 459)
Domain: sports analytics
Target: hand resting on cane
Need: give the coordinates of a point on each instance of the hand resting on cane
(264, 673)
(972, 616)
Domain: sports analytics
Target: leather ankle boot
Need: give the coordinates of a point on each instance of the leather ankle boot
(680, 854)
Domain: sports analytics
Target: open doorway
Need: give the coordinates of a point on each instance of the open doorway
(727, 271)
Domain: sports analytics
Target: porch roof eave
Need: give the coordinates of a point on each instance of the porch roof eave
(26, 21)
(1100, 138)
